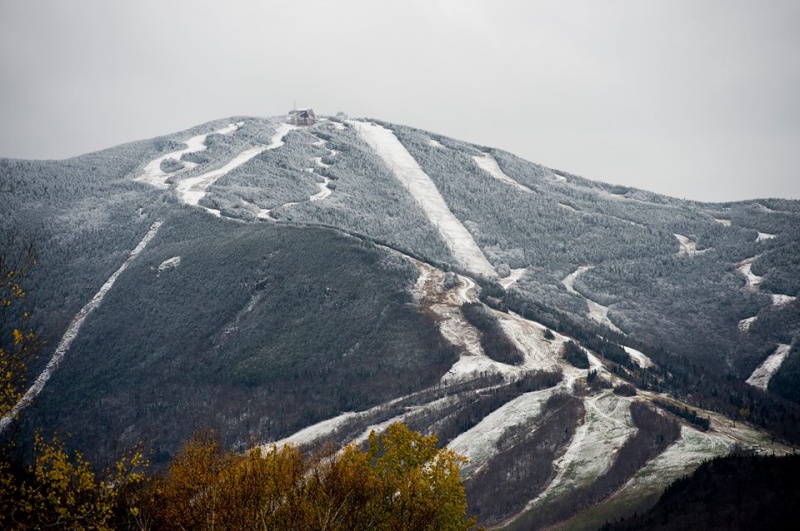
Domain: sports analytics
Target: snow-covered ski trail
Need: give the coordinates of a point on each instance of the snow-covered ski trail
(753, 283)
(488, 164)
(191, 191)
(424, 191)
(607, 425)
(764, 372)
(597, 312)
(73, 329)
(155, 176)
(687, 245)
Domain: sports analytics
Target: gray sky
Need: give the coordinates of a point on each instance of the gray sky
(691, 98)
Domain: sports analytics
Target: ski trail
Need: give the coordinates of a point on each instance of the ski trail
(192, 190)
(753, 283)
(597, 312)
(155, 176)
(764, 372)
(687, 246)
(424, 191)
(512, 279)
(479, 443)
(640, 358)
(73, 329)
(489, 164)
(745, 324)
(593, 448)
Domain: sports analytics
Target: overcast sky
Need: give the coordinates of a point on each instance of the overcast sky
(691, 98)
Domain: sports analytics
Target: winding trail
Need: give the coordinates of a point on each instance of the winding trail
(458, 239)
(597, 312)
(155, 176)
(73, 329)
(192, 190)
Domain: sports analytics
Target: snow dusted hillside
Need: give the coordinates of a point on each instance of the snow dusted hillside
(286, 284)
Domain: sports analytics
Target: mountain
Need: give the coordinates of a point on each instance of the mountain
(582, 344)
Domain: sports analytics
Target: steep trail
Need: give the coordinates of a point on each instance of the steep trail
(424, 191)
(73, 329)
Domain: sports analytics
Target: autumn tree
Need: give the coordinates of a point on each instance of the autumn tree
(18, 342)
(61, 490)
(400, 481)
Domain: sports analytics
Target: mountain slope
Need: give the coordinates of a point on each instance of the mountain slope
(308, 283)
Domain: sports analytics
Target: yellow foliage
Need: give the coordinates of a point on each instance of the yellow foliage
(62, 491)
(402, 481)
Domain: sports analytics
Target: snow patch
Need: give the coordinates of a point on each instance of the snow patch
(73, 329)
(764, 236)
(640, 358)
(489, 164)
(424, 191)
(745, 324)
(725, 222)
(780, 300)
(169, 263)
(687, 246)
(435, 143)
(764, 372)
(746, 268)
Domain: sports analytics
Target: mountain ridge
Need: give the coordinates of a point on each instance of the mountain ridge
(359, 318)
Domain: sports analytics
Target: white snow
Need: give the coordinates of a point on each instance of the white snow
(435, 143)
(779, 300)
(488, 164)
(573, 209)
(73, 329)
(754, 282)
(424, 191)
(687, 246)
(324, 191)
(764, 372)
(746, 268)
(169, 263)
(191, 191)
(597, 312)
(607, 425)
(479, 444)
(692, 448)
(154, 176)
(512, 279)
(316, 432)
(763, 236)
(640, 358)
(745, 324)
(725, 222)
